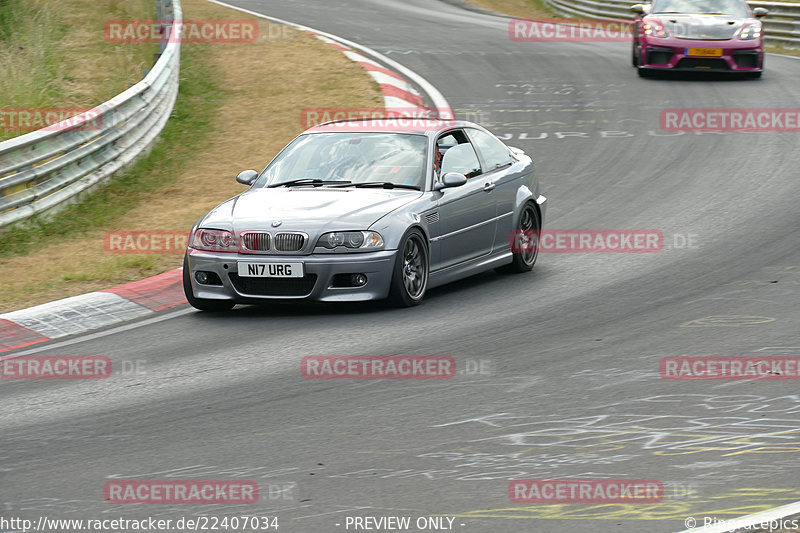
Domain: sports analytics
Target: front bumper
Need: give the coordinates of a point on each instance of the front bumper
(316, 285)
(671, 54)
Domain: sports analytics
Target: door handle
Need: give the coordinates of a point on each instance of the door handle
(488, 187)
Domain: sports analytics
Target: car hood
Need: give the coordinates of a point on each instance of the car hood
(702, 27)
(311, 210)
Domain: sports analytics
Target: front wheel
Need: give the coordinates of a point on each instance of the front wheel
(410, 276)
(525, 247)
(202, 304)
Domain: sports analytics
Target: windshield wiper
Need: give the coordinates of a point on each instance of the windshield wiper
(381, 184)
(306, 181)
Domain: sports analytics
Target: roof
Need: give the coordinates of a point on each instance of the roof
(416, 125)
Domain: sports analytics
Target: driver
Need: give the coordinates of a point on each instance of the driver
(437, 162)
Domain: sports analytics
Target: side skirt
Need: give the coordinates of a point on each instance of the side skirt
(469, 268)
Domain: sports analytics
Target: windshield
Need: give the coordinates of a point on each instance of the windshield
(733, 8)
(349, 157)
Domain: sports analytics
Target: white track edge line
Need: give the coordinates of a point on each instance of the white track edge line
(438, 99)
(44, 345)
(735, 524)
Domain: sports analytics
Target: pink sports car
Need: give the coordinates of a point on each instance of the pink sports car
(698, 35)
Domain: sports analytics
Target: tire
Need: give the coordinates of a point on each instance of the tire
(529, 223)
(202, 304)
(411, 269)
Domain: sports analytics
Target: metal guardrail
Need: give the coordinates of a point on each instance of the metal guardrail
(781, 25)
(43, 170)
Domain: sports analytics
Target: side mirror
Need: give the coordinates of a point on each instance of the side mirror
(760, 12)
(247, 177)
(638, 8)
(451, 179)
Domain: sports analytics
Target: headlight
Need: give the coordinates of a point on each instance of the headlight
(655, 29)
(750, 32)
(351, 239)
(214, 240)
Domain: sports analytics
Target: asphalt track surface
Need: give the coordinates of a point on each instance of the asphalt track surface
(572, 350)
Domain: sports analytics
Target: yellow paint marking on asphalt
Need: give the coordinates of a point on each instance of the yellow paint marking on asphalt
(672, 509)
(774, 448)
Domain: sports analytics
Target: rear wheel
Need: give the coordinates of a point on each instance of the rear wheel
(410, 276)
(202, 304)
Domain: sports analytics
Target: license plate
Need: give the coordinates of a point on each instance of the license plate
(270, 270)
(704, 52)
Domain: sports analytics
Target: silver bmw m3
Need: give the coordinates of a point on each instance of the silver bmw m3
(366, 210)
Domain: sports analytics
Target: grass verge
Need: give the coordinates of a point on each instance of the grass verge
(54, 54)
(239, 103)
(189, 124)
(530, 9)
(781, 50)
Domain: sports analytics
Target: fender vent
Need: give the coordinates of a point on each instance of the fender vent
(432, 218)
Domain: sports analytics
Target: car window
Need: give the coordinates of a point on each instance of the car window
(447, 140)
(456, 154)
(354, 157)
(735, 8)
(462, 159)
(495, 153)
